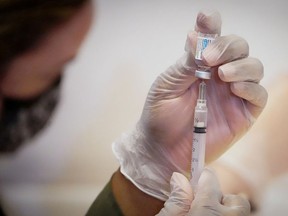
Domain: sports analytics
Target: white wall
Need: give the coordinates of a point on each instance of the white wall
(131, 42)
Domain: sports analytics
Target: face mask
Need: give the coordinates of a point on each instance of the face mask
(22, 120)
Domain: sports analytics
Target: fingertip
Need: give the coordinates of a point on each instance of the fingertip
(180, 184)
(208, 182)
(180, 198)
(208, 21)
(227, 73)
(208, 173)
(177, 177)
(221, 74)
(238, 203)
(253, 93)
(247, 69)
(174, 178)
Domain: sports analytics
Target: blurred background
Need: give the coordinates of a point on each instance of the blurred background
(62, 170)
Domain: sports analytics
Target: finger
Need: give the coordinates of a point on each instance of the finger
(180, 198)
(247, 69)
(179, 77)
(208, 22)
(181, 189)
(236, 205)
(254, 93)
(225, 49)
(208, 189)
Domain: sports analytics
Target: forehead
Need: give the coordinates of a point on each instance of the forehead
(33, 71)
(30, 19)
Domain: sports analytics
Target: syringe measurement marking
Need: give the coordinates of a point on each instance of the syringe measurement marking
(199, 136)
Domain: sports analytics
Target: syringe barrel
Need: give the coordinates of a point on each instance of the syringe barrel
(200, 117)
(199, 136)
(198, 155)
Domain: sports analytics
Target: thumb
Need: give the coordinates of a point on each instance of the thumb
(237, 204)
(208, 22)
(180, 198)
(208, 189)
(179, 77)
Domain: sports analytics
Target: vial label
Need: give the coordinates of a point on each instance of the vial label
(202, 42)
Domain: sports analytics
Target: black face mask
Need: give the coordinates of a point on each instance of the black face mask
(22, 120)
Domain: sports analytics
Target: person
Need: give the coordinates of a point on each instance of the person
(31, 67)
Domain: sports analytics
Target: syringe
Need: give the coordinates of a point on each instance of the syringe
(199, 136)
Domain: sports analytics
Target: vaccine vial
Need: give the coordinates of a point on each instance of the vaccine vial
(203, 40)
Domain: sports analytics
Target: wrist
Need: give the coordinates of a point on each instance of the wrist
(141, 166)
(131, 200)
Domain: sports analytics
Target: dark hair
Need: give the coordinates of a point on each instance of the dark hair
(24, 22)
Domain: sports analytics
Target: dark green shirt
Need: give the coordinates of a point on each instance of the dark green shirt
(105, 204)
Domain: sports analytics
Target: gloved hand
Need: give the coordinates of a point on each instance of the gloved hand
(208, 199)
(161, 142)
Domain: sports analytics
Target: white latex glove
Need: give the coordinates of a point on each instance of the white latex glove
(208, 200)
(161, 142)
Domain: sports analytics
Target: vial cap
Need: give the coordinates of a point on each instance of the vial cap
(203, 74)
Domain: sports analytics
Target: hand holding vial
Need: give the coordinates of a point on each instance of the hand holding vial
(161, 142)
(208, 200)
